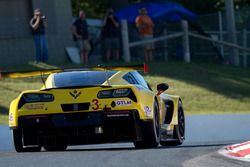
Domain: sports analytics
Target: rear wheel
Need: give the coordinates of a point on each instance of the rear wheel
(60, 145)
(56, 148)
(17, 136)
(150, 132)
(179, 130)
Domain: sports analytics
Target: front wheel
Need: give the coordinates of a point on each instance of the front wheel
(150, 131)
(179, 130)
(18, 142)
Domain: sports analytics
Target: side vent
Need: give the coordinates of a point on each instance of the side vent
(170, 111)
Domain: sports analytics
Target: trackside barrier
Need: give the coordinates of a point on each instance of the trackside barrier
(242, 48)
(138, 43)
(220, 42)
(185, 42)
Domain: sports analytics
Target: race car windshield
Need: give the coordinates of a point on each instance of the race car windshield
(81, 78)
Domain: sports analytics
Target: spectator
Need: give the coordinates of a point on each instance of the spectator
(145, 26)
(39, 24)
(81, 36)
(110, 34)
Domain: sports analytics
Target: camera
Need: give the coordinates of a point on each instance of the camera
(43, 17)
(110, 13)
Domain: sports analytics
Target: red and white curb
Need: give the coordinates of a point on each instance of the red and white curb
(237, 151)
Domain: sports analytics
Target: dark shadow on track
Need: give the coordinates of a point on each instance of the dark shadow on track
(117, 148)
(196, 146)
(101, 149)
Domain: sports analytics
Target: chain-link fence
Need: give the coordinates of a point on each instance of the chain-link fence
(210, 25)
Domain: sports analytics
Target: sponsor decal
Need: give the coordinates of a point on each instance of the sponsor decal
(147, 110)
(123, 102)
(95, 104)
(11, 117)
(35, 107)
(113, 104)
(75, 94)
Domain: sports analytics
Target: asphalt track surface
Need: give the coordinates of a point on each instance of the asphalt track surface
(205, 135)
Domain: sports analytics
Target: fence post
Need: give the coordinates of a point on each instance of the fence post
(231, 27)
(185, 41)
(221, 33)
(125, 41)
(245, 46)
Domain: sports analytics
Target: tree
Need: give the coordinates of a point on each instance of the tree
(202, 7)
(209, 6)
(91, 8)
(97, 8)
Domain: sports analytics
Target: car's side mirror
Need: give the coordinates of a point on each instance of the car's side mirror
(161, 88)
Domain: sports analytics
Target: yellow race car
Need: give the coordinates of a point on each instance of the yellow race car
(76, 107)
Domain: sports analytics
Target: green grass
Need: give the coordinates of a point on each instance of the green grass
(204, 88)
(3, 119)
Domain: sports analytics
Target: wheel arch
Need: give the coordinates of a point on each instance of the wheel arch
(171, 115)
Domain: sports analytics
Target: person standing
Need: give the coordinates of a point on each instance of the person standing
(145, 26)
(81, 36)
(110, 33)
(38, 24)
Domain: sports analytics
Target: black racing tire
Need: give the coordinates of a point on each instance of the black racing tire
(56, 148)
(60, 145)
(150, 132)
(179, 130)
(18, 142)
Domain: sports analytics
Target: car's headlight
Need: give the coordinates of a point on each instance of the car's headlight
(113, 93)
(37, 97)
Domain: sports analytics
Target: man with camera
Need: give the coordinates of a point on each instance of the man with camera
(110, 34)
(38, 25)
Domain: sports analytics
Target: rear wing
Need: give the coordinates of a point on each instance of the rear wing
(23, 74)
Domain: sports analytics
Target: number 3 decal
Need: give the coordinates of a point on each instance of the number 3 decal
(95, 104)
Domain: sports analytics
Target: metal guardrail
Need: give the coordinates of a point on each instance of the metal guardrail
(219, 42)
(176, 35)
